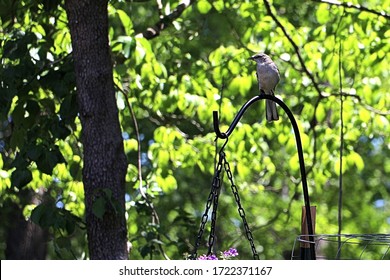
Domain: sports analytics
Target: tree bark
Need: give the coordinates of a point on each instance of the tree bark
(25, 240)
(104, 158)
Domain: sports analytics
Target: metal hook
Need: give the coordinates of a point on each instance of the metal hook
(224, 145)
(224, 135)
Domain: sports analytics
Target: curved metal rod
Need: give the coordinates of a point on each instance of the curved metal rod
(224, 135)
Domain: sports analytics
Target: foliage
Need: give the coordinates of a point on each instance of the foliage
(331, 58)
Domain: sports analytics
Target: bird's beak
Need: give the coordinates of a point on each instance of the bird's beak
(251, 58)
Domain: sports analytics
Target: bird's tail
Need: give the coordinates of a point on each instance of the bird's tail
(271, 112)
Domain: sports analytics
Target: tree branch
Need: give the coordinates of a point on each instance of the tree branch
(160, 12)
(295, 46)
(165, 21)
(356, 7)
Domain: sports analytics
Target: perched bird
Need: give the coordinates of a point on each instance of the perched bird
(268, 77)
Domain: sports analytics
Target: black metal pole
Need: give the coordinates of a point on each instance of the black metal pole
(224, 135)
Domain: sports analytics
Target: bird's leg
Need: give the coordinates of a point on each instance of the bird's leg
(262, 92)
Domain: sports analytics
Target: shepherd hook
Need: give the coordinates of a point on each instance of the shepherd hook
(225, 135)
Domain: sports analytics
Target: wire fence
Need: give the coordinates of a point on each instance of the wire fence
(345, 246)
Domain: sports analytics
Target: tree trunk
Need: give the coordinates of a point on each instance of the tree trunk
(104, 158)
(25, 240)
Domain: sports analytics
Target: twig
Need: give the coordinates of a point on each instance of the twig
(139, 160)
(355, 6)
(366, 106)
(237, 36)
(340, 200)
(308, 73)
(165, 21)
(155, 217)
(376, 111)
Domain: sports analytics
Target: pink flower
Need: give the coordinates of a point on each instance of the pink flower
(209, 257)
(232, 252)
(225, 255)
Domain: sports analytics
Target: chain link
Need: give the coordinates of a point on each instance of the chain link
(213, 199)
(241, 210)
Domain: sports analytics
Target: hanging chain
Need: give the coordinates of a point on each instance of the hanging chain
(212, 198)
(241, 210)
(216, 191)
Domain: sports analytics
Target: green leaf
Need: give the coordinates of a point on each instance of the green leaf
(163, 158)
(21, 177)
(244, 170)
(364, 115)
(63, 242)
(48, 160)
(14, 49)
(37, 213)
(355, 159)
(129, 45)
(337, 165)
(240, 85)
(320, 112)
(108, 193)
(219, 5)
(34, 152)
(70, 225)
(294, 162)
(99, 207)
(59, 130)
(145, 250)
(75, 170)
(69, 108)
(204, 6)
(126, 21)
(166, 183)
(45, 215)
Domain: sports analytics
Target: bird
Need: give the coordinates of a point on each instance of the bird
(268, 77)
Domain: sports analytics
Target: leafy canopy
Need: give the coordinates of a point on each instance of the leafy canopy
(332, 58)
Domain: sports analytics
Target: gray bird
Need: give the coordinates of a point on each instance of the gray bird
(268, 77)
